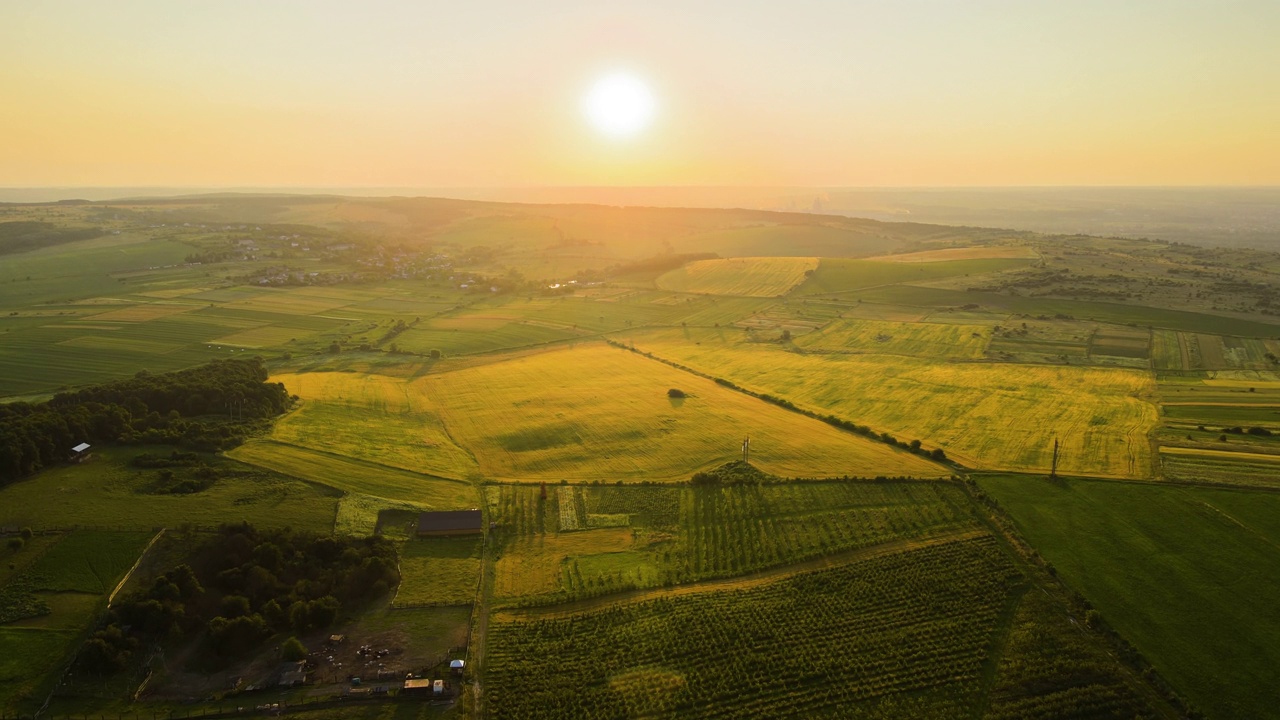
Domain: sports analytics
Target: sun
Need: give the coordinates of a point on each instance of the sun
(619, 105)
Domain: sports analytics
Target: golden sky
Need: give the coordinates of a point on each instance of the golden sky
(453, 94)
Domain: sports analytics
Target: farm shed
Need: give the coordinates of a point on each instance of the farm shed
(457, 666)
(80, 453)
(417, 686)
(292, 673)
(449, 522)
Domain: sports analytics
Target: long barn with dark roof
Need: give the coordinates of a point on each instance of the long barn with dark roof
(450, 522)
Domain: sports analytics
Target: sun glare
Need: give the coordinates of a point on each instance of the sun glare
(619, 105)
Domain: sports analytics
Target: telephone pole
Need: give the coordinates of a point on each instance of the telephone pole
(746, 449)
(1053, 470)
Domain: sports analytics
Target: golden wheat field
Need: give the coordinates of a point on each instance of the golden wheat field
(377, 418)
(599, 412)
(986, 415)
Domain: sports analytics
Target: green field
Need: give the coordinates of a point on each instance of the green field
(984, 415)
(88, 561)
(1184, 573)
(438, 571)
(107, 491)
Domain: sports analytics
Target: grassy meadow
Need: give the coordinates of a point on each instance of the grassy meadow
(1182, 572)
(108, 491)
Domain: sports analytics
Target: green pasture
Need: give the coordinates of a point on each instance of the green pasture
(1185, 573)
(107, 492)
(88, 561)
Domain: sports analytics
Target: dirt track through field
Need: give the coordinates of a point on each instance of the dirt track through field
(738, 583)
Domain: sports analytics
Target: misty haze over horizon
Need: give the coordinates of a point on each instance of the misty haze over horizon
(1214, 216)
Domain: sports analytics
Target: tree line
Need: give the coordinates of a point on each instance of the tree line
(168, 408)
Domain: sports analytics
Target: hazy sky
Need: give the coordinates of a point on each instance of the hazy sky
(843, 93)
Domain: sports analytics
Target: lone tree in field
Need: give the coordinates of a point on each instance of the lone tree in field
(676, 393)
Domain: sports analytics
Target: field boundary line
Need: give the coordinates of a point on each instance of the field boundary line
(120, 585)
(742, 582)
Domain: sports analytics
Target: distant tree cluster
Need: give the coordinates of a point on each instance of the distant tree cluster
(243, 586)
(144, 409)
(23, 235)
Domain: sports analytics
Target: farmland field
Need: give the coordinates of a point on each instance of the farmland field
(984, 415)
(1217, 466)
(842, 275)
(914, 339)
(355, 476)
(597, 412)
(907, 634)
(751, 276)
(1184, 573)
(438, 571)
(377, 418)
(582, 541)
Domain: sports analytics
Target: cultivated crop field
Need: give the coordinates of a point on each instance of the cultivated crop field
(907, 634)
(377, 418)
(750, 276)
(597, 412)
(1183, 572)
(913, 339)
(584, 541)
(984, 415)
